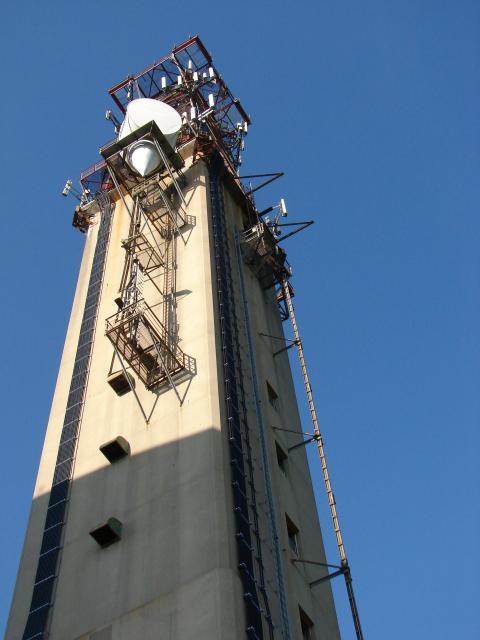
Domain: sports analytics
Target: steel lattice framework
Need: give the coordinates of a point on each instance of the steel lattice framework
(187, 80)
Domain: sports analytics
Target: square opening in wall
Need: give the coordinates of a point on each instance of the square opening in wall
(120, 383)
(108, 533)
(292, 531)
(281, 459)
(116, 449)
(272, 397)
(306, 625)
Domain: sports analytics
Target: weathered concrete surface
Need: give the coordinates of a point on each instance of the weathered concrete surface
(174, 573)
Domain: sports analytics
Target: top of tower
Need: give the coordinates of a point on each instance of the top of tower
(187, 80)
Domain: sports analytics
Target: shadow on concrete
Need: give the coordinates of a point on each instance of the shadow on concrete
(176, 548)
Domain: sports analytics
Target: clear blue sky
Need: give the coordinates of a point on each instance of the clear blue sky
(372, 110)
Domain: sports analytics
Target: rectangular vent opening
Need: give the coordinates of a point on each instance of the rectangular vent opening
(115, 449)
(108, 533)
(281, 459)
(120, 383)
(272, 397)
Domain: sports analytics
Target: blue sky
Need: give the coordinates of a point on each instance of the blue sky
(371, 109)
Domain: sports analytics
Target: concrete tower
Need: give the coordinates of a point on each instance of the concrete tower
(171, 501)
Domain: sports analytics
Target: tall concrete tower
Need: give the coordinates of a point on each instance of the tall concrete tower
(173, 498)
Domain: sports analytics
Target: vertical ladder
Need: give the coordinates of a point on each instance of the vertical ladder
(277, 558)
(169, 284)
(321, 454)
(249, 542)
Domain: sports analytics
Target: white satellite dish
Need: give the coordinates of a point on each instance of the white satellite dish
(142, 156)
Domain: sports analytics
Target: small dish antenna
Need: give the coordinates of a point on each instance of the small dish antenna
(83, 197)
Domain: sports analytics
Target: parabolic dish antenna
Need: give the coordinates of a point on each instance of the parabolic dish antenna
(142, 156)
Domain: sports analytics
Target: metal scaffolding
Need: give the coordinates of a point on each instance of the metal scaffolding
(264, 254)
(143, 341)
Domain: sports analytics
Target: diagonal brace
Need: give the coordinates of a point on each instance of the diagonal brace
(293, 343)
(304, 442)
(339, 570)
(165, 368)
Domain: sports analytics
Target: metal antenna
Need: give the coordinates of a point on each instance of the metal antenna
(321, 454)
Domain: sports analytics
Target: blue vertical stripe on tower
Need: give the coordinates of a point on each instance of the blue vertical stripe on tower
(229, 337)
(50, 551)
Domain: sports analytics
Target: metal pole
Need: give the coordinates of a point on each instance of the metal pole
(119, 191)
(323, 462)
(165, 368)
(166, 162)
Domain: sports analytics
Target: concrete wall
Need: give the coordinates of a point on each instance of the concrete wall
(174, 573)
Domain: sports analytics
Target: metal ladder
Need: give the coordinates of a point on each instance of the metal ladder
(249, 542)
(277, 558)
(169, 284)
(345, 569)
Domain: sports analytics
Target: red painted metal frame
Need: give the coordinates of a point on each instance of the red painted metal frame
(221, 126)
(191, 41)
